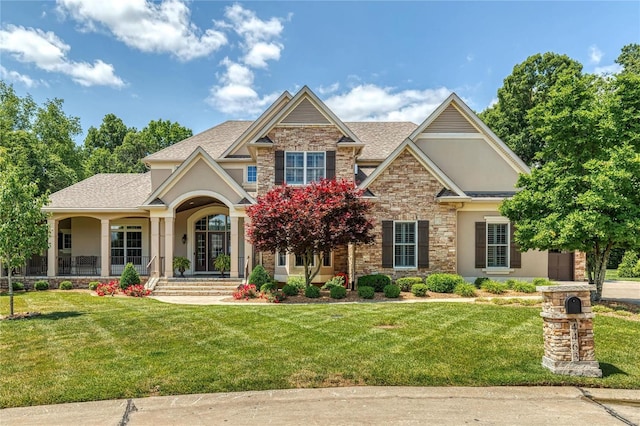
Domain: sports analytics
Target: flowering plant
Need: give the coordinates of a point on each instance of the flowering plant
(273, 296)
(345, 277)
(245, 291)
(137, 290)
(110, 288)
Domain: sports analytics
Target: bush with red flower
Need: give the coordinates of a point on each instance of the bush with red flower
(111, 288)
(245, 291)
(137, 290)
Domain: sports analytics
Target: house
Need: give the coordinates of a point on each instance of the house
(435, 189)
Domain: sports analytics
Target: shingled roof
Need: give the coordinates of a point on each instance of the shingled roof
(380, 139)
(105, 190)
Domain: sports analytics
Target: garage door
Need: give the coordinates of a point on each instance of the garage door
(561, 266)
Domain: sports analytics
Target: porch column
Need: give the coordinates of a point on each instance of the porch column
(105, 248)
(52, 251)
(247, 262)
(235, 245)
(168, 246)
(155, 246)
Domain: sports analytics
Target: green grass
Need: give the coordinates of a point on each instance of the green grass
(86, 348)
(612, 274)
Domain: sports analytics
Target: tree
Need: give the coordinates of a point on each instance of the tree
(23, 225)
(310, 220)
(629, 58)
(527, 87)
(586, 193)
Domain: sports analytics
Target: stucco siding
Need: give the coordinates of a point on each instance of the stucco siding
(534, 263)
(200, 177)
(471, 163)
(85, 236)
(158, 176)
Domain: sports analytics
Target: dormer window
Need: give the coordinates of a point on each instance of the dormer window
(304, 167)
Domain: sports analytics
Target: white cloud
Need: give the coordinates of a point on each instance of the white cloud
(595, 54)
(48, 52)
(329, 89)
(368, 102)
(235, 95)
(261, 52)
(493, 102)
(16, 77)
(147, 26)
(608, 69)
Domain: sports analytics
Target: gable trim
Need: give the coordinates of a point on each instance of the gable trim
(496, 143)
(197, 154)
(426, 162)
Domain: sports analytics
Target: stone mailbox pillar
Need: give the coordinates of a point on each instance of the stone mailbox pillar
(568, 330)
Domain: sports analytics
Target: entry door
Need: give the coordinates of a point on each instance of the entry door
(201, 251)
(560, 266)
(216, 247)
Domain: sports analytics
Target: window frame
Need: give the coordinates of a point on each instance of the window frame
(404, 244)
(254, 173)
(281, 256)
(125, 230)
(301, 264)
(495, 221)
(305, 167)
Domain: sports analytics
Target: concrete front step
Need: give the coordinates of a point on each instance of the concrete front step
(192, 293)
(196, 287)
(198, 284)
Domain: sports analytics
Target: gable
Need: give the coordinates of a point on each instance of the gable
(305, 113)
(450, 121)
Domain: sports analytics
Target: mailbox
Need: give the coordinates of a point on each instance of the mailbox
(573, 305)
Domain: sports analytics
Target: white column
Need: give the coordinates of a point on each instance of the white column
(235, 246)
(168, 246)
(155, 246)
(52, 252)
(105, 248)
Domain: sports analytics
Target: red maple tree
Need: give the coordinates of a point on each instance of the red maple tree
(310, 220)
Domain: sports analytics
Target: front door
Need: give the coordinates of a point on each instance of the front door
(212, 239)
(560, 265)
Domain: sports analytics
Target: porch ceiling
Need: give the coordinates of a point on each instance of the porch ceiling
(198, 202)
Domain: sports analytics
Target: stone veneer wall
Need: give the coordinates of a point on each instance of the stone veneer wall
(54, 283)
(579, 266)
(407, 191)
(310, 138)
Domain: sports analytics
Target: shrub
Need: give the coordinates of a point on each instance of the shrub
(259, 276)
(17, 286)
(110, 288)
(336, 281)
(627, 267)
(443, 283)
(419, 290)
(66, 285)
(494, 287)
(391, 291)
(137, 290)
(405, 283)
(366, 292)
(41, 285)
(296, 281)
(129, 276)
(245, 291)
(181, 264)
(312, 292)
(377, 281)
(541, 281)
(338, 292)
(93, 285)
(290, 290)
(478, 282)
(274, 296)
(268, 287)
(510, 282)
(465, 290)
(524, 287)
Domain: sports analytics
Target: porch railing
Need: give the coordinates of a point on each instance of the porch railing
(34, 267)
(79, 265)
(139, 263)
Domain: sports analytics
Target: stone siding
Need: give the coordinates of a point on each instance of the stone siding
(407, 191)
(54, 283)
(579, 266)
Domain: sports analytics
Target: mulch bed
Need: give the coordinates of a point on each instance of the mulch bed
(19, 315)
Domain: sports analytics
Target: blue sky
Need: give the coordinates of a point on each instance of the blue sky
(202, 62)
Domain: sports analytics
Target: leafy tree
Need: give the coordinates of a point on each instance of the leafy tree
(109, 135)
(160, 134)
(527, 87)
(310, 220)
(23, 227)
(629, 58)
(586, 194)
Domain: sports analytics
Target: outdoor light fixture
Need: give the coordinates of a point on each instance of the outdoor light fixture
(184, 239)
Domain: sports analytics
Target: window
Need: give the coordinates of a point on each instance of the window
(66, 241)
(404, 247)
(252, 174)
(326, 259)
(126, 244)
(497, 245)
(304, 167)
(282, 259)
(300, 261)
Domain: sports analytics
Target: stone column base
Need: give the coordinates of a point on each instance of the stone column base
(573, 368)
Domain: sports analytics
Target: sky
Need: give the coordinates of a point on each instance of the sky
(200, 63)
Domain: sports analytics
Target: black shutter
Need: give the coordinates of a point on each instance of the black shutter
(387, 244)
(279, 163)
(423, 244)
(481, 245)
(515, 257)
(331, 164)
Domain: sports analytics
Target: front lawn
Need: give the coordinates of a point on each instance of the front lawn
(85, 347)
(612, 275)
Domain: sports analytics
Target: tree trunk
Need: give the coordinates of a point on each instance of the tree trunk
(9, 269)
(309, 274)
(600, 259)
